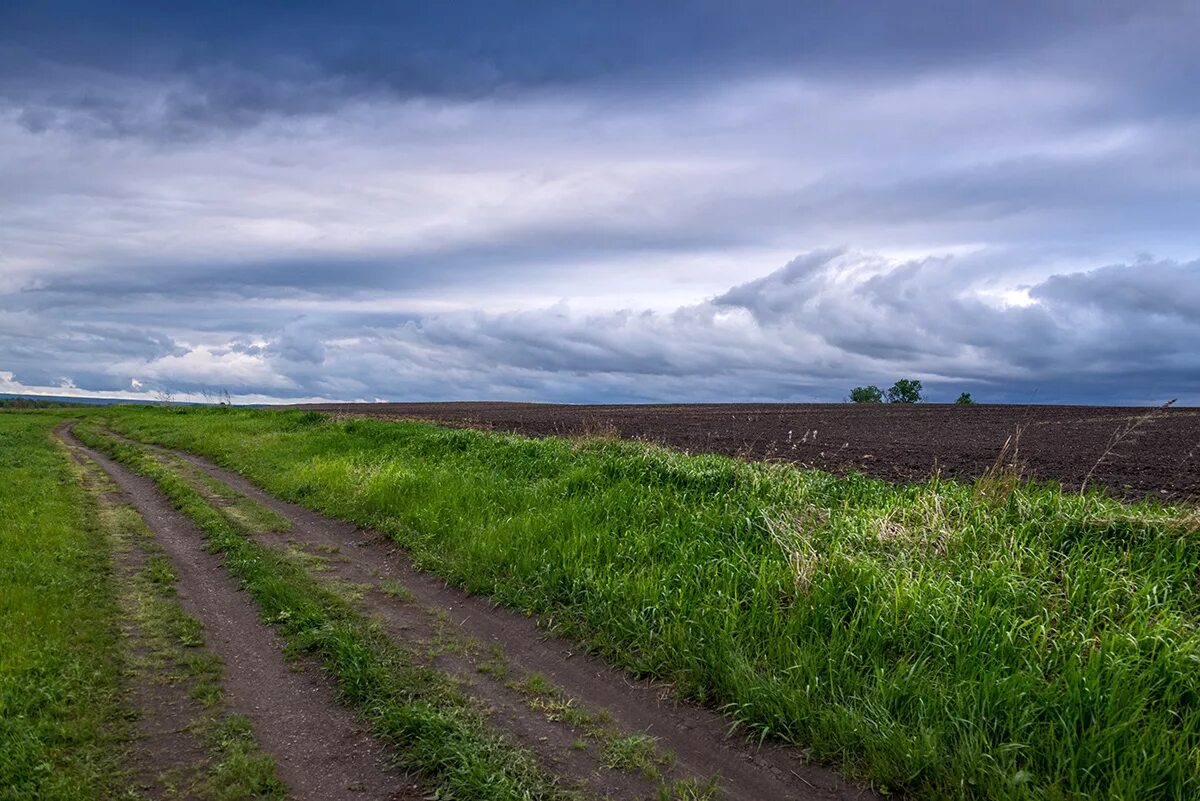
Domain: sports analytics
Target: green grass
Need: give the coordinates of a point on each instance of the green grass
(395, 590)
(248, 513)
(437, 732)
(635, 752)
(61, 722)
(241, 771)
(942, 641)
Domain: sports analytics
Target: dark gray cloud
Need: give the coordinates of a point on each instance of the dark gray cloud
(480, 45)
(168, 69)
(1147, 290)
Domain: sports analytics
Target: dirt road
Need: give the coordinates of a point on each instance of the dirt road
(322, 753)
(597, 729)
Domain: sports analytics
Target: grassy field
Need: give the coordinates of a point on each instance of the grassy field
(989, 641)
(61, 721)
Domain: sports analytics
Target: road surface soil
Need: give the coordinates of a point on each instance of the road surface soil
(493, 653)
(321, 752)
(166, 756)
(1160, 458)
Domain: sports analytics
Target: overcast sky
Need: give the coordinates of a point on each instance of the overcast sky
(608, 201)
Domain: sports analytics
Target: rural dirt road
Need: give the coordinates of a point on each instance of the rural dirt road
(321, 751)
(543, 691)
(168, 754)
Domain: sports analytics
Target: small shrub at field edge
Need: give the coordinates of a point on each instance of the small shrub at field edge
(867, 394)
(965, 399)
(906, 390)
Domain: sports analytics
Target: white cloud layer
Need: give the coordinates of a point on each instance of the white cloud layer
(826, 321)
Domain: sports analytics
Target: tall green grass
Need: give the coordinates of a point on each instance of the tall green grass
(60, 716)
(942, 641)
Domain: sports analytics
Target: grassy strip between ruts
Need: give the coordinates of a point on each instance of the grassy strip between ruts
(997, 641)
(62, 726)
(165, 646)
(417, 709)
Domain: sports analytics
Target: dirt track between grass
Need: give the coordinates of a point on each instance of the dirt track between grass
(321, 751)
(167, 755)
(892, 441)
(493, 653)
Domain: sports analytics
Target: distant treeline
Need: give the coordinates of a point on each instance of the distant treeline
(31, 403)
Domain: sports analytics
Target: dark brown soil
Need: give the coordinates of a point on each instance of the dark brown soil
(321, 751)
(468, 637)
(1161, 458)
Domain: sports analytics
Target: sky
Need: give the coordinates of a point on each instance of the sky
(600, 201)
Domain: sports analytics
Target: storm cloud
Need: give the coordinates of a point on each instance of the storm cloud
(594, 202)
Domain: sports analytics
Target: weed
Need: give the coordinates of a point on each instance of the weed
(159, 571)
(395, 590)
(496, 664)
(634, 753)
(689, 790)
(243, 772)
(535, 684)
(297, 553)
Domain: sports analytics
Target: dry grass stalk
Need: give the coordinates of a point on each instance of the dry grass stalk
(1001, 480)
(1127, 431)
(1188, 520)
(789, 533)
(595, 429)
(924, 524)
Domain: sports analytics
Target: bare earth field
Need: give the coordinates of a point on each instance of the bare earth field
(1062, 443)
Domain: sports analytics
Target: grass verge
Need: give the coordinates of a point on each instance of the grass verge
(438, 735)
(62, 726)
(1014, 644)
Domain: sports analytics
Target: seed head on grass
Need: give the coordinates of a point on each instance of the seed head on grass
(594, 430)
(926, 524)
(790, 534)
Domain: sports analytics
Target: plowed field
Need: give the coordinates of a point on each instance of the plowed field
(1160, 457)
